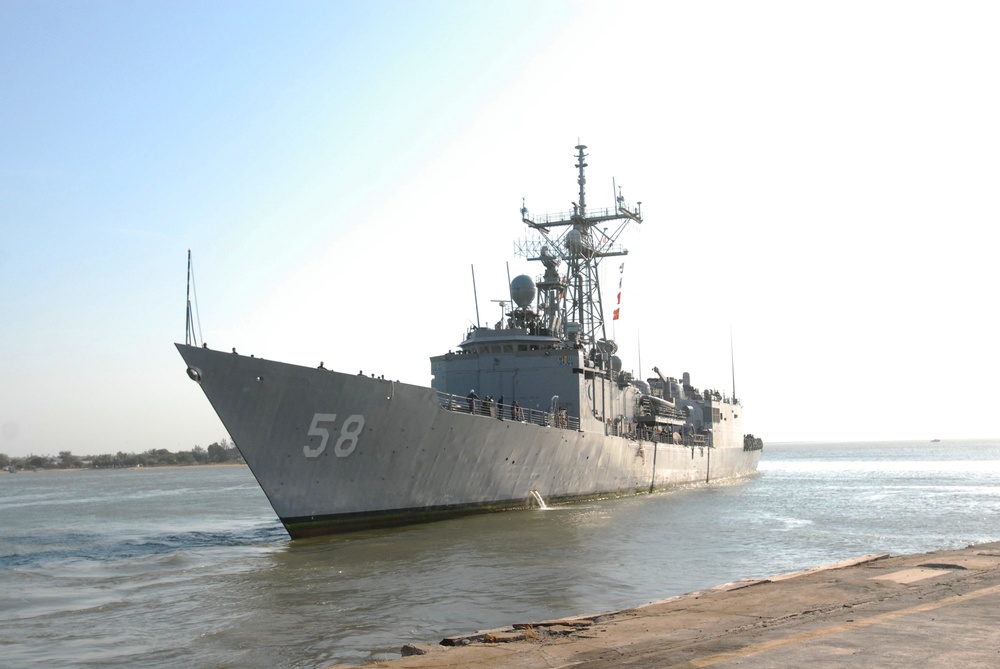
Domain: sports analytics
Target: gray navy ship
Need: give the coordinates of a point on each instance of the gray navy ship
(534, 410)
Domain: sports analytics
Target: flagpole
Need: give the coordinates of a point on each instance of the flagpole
(732, 361)
(638, 346)
(475, 295)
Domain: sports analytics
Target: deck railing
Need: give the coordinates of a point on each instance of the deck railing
(479, 407)
(560, 420)
(644, 433)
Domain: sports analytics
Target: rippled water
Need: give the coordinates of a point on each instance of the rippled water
(189, 566)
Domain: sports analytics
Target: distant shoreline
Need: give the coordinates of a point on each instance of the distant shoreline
(106, 469)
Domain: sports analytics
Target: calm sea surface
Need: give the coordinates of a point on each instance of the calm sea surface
(189, 567)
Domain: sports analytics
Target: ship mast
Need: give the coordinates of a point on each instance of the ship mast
(581, 245)
(190, 335)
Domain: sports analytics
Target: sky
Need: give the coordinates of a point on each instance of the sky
(819, 187)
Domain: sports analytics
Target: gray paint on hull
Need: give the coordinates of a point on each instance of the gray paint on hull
(412, 454)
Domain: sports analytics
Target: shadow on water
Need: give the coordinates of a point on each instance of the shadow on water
(35, 551)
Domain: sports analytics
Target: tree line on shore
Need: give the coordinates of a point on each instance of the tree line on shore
(217, 453)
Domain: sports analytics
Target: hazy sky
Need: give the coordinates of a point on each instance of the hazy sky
(819, 179)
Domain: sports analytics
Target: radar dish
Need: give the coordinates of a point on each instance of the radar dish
(549, 260)
(574, 242)
(608, 346)
(522, 291)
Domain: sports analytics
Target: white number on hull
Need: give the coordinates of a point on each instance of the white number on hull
(349, 433)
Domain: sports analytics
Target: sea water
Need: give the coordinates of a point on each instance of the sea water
(189, 566)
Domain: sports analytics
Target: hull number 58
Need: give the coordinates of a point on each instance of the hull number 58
(349, 433)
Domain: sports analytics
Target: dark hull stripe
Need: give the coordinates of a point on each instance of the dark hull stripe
(314, 526)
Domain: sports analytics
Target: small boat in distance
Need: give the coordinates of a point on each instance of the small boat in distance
(535, 410)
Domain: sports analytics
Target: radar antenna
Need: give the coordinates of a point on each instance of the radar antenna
(581, 246)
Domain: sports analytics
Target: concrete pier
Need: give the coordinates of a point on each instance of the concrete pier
(934, 610)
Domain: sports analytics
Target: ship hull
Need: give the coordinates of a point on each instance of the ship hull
(336, 452)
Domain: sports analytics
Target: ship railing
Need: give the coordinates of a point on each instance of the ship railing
(646, 410)
(568, 217)
(479, 407)
(646, 433)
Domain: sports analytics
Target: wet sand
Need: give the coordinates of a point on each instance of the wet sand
(932, 610)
